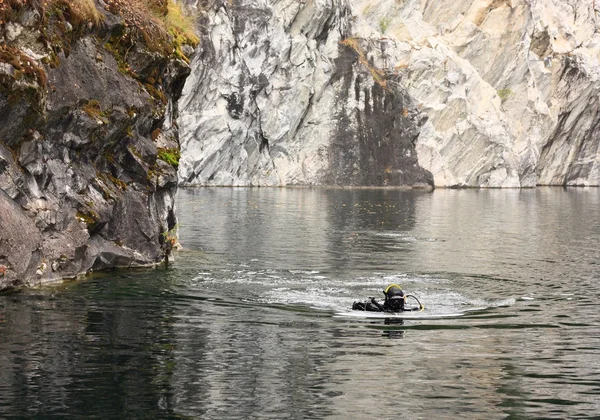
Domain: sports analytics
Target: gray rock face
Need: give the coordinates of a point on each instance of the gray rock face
(509, 87)
(281, 96)
(498, 94)
(81, 187)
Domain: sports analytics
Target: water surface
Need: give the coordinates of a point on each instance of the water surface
(250, 322)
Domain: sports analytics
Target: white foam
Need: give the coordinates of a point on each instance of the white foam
(317, 290)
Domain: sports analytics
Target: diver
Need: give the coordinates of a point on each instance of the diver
(394, 302)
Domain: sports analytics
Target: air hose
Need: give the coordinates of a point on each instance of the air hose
(421, 307)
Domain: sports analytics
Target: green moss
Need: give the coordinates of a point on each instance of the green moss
(160, 25)
(116, 181)
(152, 175)
(384, 24)
(106, 194)
(118, 45)
(88, 216)
(51, 60)
(180, 25)
(109, 157)
(30, 94)
(504, 94)
(135, 152)
(101, 183)
(156, 93)
(60, 22)
(169, 155)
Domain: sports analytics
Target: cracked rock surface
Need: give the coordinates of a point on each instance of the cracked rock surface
(471, 93)
(510, 87)
(81, 185)
(280, 96)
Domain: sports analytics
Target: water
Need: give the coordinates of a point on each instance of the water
(250, 320)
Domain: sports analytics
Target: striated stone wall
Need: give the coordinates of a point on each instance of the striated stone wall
(282, 94)
(469, 93)
(510, 87)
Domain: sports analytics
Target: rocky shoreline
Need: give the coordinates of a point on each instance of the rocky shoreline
(88, 147)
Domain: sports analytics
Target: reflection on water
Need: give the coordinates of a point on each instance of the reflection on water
(249, 321)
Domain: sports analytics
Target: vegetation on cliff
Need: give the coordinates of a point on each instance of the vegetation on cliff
(160, 24)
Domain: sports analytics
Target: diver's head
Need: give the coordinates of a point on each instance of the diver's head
(394, 297)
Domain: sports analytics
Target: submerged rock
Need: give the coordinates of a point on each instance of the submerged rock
(85, 113)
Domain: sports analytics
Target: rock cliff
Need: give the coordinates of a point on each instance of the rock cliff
(510, 87)
(472, 93)
(88, 93)
(282, 94)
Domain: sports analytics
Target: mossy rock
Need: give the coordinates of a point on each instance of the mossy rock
(169, 155)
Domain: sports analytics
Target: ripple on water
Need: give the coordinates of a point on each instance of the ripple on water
(245, 324)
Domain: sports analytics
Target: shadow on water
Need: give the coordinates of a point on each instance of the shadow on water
(393, 328)
(86, 348)
(136, 345)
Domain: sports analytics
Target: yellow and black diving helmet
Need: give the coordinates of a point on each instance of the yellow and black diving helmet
(394, 298)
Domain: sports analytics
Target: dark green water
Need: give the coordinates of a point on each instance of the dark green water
(248, 322)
